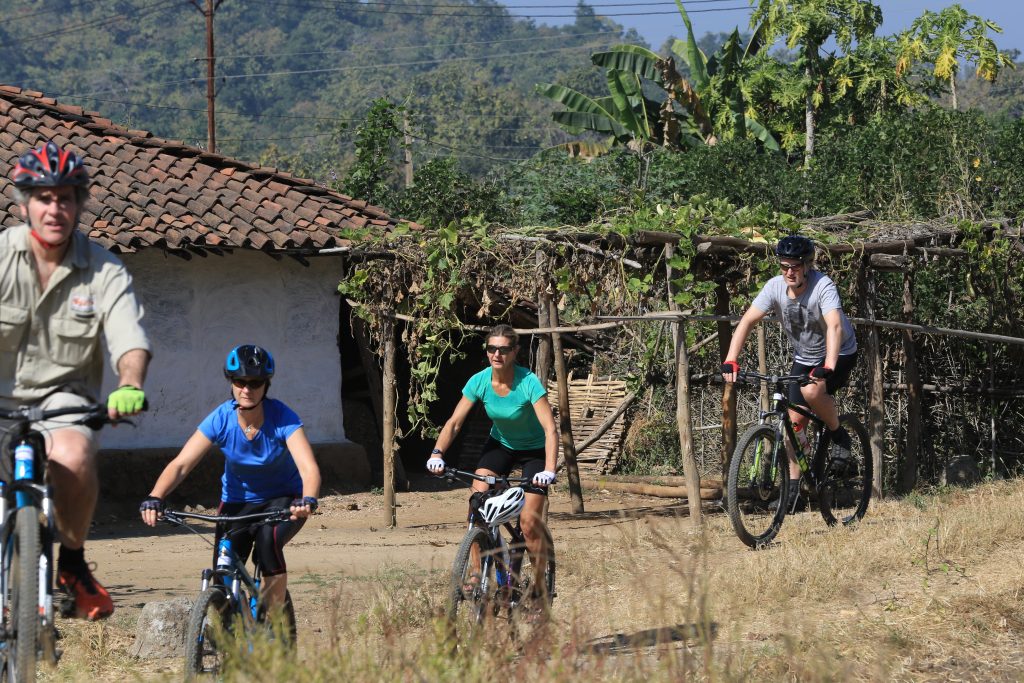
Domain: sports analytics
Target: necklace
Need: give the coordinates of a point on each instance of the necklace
(249, 429)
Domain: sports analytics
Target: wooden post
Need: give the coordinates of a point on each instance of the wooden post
(388, 332)
(762, 366)
(543, 364)
(686, 426)
(728, 388)
(375, 383)
(683, 418)
(572, 470)
(908, 474)
(876, 390)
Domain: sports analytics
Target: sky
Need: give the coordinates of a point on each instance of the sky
(655, 20)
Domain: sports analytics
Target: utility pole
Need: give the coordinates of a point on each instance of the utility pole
(211, 93)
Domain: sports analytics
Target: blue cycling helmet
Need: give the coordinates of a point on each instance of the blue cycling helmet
(795, 246)
(249, 361)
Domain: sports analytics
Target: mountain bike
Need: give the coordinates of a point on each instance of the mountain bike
(494, 577)
(757, 495)
(28, 530)
(228, 612)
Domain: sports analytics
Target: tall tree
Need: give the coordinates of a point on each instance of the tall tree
(806, 25)
(945, 38)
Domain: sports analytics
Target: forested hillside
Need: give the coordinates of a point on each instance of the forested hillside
(298, 74)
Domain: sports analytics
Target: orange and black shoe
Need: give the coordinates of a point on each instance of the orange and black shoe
(91, 600)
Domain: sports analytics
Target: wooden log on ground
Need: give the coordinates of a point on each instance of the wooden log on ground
(666, 480)
(650, 489)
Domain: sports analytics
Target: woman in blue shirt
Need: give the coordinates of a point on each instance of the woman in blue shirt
(268, 465)
(522, 433)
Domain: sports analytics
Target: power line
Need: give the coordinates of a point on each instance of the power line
(562, 36)
(19, 17)
(336, 69)
(152, 8)
(487, 11)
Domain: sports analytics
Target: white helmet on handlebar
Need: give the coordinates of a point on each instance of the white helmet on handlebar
(503, 507)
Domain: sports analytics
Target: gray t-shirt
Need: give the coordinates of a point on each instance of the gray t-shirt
(803, 318)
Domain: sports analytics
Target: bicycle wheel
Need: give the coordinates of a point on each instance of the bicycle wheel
(21, 619)
(525, 572)
(472, 593)
(207, 635)
(845, 499)
(530, 606)
(757, 482)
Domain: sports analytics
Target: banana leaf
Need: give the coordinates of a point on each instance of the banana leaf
(761, 133)
(690, 53)
(572, 99)
(577, 121)
(632, 58)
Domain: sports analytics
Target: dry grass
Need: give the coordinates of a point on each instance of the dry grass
(928, 588)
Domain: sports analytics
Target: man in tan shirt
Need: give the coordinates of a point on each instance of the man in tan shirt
(58, 292)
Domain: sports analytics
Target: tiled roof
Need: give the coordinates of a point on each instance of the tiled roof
(151, 192)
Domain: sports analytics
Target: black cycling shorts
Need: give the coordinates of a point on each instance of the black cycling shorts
(269, 539)
(837, 380)
(501, 460)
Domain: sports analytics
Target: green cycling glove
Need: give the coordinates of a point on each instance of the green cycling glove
(126, 400)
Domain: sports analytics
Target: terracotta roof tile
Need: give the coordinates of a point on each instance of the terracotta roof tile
(162, 193)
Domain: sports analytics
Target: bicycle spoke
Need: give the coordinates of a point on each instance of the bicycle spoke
(756, 487)
(843, 497)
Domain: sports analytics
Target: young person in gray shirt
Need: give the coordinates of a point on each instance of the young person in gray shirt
(824, 345)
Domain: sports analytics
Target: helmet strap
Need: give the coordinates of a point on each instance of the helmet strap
(46, 245)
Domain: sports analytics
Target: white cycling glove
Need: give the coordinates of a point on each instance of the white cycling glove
(435, 465)
(544, 478)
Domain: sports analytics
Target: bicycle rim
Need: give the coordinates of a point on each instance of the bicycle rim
(472, 589)
(208, 633)
(21, 620)
(757, 482)
(532, 597)
(844, 500)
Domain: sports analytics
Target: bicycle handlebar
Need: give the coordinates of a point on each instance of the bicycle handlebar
(94, 415)
(800, 379)
(450, 473)
(175, 516)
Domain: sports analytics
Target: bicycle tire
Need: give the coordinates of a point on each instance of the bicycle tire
(467, 612)
(21, 620)
(755, 482)
(845, 499)
(522, 580)
(208, 620)
(530, 609)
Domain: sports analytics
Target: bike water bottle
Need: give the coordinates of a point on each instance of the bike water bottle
(501, 569)
(803, 445)
(224, 554)
(23, 461)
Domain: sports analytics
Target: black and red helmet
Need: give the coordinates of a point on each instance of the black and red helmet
(50, 165)
(795, 246)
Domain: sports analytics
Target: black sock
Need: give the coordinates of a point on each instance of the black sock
(69, 559)
(840, 436)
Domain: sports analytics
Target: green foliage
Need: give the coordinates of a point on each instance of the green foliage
(444, 194)
(372, 177)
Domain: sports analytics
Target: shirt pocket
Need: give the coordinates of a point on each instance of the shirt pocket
(73, 340)
(13, 323)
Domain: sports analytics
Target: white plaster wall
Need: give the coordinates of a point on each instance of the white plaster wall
(197, 310)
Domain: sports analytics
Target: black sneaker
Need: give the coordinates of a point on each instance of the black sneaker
(842, 458)
(797, 502)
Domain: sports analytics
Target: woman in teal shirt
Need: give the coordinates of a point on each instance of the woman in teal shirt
(522, 434)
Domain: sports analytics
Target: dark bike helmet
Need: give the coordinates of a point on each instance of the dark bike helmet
(49, 166)
(249, 361)
(795, 246)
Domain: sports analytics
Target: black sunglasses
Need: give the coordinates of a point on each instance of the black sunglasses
(240, 383)
(503, 350)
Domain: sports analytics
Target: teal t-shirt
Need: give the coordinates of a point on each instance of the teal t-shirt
(515, 424)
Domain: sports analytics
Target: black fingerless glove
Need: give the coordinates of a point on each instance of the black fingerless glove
(152, 503)
(729, 367)
(307, 500)
(822, 372)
